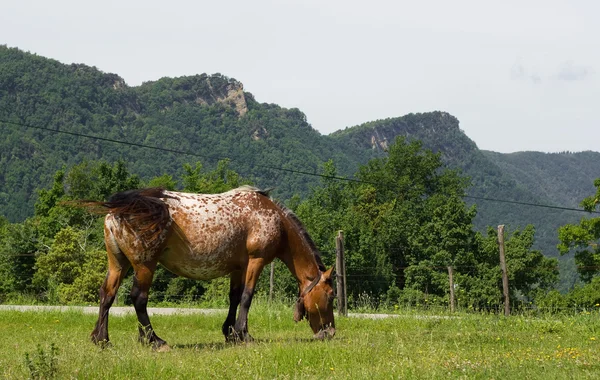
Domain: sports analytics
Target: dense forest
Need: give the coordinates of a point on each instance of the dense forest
(405, 222)
(209, 124)
(212, 118)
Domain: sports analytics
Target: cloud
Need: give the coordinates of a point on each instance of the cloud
(535, 78)
(519, 72)
(567, 71)
(571, 72)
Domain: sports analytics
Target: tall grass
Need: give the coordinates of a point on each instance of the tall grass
(410, 345)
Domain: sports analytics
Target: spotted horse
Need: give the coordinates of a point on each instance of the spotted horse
(202, 237)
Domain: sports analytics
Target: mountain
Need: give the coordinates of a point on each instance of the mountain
(212, 117)
(562, 177)
(553, 179)
(209, 116)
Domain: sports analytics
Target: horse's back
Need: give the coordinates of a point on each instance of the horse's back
(215, 234)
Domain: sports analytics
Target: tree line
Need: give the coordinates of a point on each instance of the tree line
(404, 220)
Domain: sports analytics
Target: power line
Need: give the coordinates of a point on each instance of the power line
(530, 204)
(314, 174)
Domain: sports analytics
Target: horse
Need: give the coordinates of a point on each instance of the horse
(202, 237)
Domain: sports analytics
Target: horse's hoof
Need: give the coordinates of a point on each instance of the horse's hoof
(102, 343)
(162, 348)
(233, 337)
(324, 334)
(239, 337)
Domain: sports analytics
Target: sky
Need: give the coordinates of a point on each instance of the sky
(519, 75)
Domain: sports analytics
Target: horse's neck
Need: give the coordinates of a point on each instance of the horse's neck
(299, 257)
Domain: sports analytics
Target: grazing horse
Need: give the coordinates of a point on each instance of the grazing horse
(205, 236)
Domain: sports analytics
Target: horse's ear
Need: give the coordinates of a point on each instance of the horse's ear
(328, 273)
(299, 311)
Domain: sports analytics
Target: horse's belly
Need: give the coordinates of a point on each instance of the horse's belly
(204, 258)
(198, 267)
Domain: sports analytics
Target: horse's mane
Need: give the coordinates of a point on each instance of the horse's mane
(302, 230)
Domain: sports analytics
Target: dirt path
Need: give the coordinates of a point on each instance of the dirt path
(115, 310)
(122, 310)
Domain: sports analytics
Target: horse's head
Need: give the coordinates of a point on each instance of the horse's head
(316, 305)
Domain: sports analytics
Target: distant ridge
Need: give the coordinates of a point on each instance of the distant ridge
(214, 116)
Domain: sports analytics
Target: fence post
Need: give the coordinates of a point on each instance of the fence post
(340, 269)
(503, 268)
(451, 280)
(272, 275)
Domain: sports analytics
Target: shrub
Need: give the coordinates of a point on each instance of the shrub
(586, 296)
(551, 301)
(42, 364)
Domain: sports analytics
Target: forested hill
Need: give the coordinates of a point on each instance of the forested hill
(208, 115)
(213, 117)
(555, 179)
(562, 177)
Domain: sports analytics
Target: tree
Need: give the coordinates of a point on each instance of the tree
(18, 246)
(403, 220)
(59, 246)
(584, 239)
(423, 223)
(70, 270)
(216, 181)
(165, 181)
(529, 272)
(99, 180)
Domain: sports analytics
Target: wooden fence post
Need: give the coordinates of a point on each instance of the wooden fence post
(271, 277)
(340, 269)
(503, 268)
(451, 280)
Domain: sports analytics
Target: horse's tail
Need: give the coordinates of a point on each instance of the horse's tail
(143, 211)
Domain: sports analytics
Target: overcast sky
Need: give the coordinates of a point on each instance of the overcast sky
(519, 75)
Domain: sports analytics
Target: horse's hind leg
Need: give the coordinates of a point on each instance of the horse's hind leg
(139, 295)
(235, 295)
(117, 269)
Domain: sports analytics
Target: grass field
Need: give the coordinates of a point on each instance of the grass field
(408, 346)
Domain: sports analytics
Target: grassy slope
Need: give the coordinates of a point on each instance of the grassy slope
(467, 346)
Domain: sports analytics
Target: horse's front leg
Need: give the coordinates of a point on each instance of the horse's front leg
(139, 295)
(235, 295)
(253, 270)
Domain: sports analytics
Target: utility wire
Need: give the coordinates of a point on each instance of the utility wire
(530, 204)
(314, 174)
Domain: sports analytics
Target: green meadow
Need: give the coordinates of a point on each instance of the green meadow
(409, 345)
